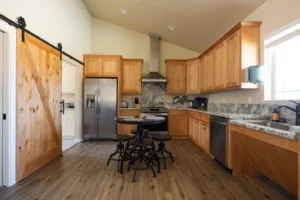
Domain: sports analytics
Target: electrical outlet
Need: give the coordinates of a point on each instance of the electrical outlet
(223, 100)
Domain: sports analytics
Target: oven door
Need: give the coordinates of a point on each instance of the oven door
(161, 128)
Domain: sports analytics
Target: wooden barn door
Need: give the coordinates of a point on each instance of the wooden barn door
(39, 79)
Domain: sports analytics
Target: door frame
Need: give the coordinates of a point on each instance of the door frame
(9, 139)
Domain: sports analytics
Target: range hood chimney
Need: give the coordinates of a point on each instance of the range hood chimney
(154, 75)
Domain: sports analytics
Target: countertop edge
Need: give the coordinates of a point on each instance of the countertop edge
(280, 133)
(129, 108)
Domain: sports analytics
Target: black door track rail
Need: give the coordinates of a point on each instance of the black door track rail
(22, 25)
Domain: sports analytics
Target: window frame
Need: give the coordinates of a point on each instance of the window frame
(280, 36)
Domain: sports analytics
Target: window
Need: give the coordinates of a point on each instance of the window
(282, 61)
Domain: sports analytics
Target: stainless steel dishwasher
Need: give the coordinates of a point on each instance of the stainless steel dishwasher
(218, 139)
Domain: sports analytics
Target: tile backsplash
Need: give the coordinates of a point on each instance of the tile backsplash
(256, 109)
(153, 94)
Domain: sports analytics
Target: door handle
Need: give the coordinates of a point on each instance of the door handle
(99, 99)
(63, 106)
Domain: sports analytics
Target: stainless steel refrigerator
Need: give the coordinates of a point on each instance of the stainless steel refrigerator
(100, 108)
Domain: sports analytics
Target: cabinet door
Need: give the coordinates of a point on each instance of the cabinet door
(197, 137)
(175, 71)
(204, 136)
(178, 126)
(110, 66)
(233, 67)
(203, 75)
(209, 71)
(92, 67)
(131, 77)
(192, 129)
(219, 65)
(192, 77)
(126, 128)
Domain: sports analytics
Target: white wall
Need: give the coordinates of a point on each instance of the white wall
(274, 14)
(64, 21)
(112, 39)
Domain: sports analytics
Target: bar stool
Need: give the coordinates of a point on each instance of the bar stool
(140, 151)
(162, 148)
(120, 148)
(146, 131)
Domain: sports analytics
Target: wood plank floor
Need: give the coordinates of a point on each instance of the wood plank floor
(81, 173)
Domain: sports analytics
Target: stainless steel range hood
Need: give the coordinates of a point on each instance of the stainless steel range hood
(154, 75)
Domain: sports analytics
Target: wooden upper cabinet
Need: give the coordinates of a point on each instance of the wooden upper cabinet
(233, 58)
(102, 66)
(92, 66)
(206, 73)
(131, 76)
(192, 77)
(176, 76)
(209, 72)
(220, 63)
(110, 66)
(203, 76)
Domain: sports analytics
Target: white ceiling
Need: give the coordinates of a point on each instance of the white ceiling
(198, 23)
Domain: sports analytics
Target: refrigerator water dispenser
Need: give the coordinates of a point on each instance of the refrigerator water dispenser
(90, 101)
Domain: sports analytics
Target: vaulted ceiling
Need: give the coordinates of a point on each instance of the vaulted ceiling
(197, 23)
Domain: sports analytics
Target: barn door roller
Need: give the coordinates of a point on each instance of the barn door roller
(22, 24)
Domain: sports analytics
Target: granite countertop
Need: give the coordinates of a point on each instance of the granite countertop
(281, 133)
(226, 115)
(246, 120)
(130, 108)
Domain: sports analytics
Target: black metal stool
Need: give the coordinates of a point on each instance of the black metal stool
(162, 147)
(140, 150)
(120, 148)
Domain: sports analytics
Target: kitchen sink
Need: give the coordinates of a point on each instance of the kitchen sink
(273, 125)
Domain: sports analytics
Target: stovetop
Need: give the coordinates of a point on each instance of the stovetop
(154, 110)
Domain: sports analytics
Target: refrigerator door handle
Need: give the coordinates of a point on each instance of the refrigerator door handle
(99, 100)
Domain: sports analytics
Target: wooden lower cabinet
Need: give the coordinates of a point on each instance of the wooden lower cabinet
(204, 141)
(178, 124)
(191, 128)
(126, 128)
(199, 130)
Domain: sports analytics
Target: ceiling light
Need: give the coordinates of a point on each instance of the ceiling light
(123, 11)
(171, 28)
(139, 1)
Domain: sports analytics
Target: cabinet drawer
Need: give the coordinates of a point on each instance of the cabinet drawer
(178, 112)
(129, 112)
(205, 118)
(195, 115)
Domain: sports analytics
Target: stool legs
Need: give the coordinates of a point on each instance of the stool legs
(124, 157)
(162, 150)
(120, 151)
(142, 157)
(156, 157)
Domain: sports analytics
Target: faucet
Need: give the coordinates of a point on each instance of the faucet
(297, 111)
